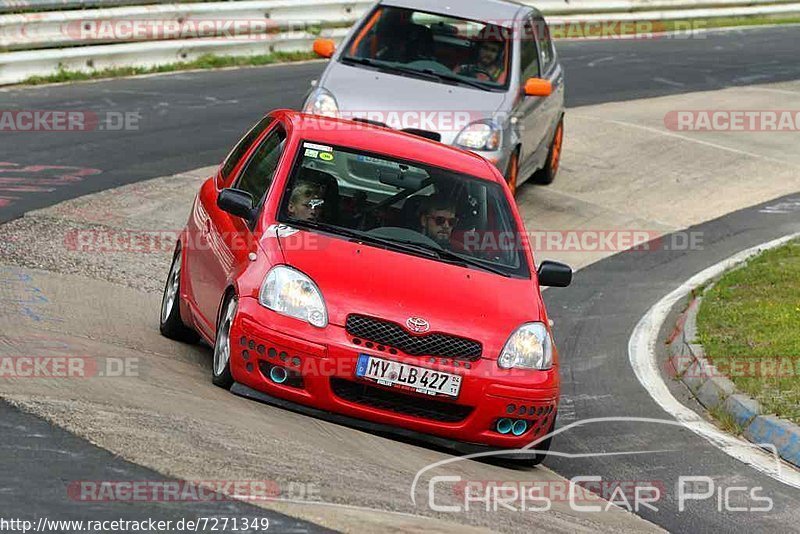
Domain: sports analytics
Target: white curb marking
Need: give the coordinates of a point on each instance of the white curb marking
(642, 355)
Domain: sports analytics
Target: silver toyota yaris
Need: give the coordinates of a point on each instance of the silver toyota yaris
(482, 75)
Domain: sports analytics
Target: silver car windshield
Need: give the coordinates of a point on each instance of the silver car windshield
(443, 49)
(405, 206)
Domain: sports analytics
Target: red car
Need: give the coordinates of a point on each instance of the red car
(373, 278)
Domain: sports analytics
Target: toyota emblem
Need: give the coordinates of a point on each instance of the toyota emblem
(418, 325)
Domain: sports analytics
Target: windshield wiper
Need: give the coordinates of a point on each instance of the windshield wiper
(453, 257)
(413, 247)
(355, 235)
(454, 78)
(430, 74)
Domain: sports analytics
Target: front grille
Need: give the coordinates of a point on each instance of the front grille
(394, 335)
(383, 399)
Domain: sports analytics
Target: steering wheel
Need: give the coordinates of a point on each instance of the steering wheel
(477, 72)
(431, 63)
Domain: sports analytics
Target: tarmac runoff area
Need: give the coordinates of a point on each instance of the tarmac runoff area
(623, 171)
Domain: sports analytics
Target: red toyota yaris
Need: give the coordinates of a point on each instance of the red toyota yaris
(372, 278)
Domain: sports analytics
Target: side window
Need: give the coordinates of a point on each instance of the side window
(241, 149)
(530, 55)
(257, 175)
(545, 43)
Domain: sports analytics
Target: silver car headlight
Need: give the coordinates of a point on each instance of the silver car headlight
(484, 135)
(529, 347)
(290, 292)
(322, 102)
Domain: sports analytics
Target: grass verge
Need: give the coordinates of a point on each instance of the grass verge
(207, 61)
(651, 29)
(726, 421)
(749, 325)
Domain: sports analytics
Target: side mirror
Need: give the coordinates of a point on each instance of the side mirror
(236, 202)
(324, 47)
(538, 87)
(554, 274)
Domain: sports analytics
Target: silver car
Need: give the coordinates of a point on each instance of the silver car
(482, 75)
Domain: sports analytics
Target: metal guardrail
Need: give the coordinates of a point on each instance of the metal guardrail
(236, 20)
(43, 43)
(551, 6)
(28, 6)
(242, 18)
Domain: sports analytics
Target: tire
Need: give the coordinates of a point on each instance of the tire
(546, 175)
(221, 367)
(543, 447)
(512, 173)
(170, 324)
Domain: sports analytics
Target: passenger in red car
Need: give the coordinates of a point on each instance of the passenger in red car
(306, 202)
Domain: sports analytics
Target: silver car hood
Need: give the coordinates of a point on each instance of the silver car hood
(405, 102)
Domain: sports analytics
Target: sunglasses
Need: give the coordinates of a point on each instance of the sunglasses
(314, 203)
(440, 220)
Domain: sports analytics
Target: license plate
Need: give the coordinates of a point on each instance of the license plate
(419, 379)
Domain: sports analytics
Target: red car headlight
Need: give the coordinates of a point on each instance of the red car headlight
(289, 292)
(529, 347)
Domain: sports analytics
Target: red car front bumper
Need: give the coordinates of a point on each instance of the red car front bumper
(321, 366)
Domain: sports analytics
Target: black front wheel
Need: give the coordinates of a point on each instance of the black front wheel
(546, 175)
(543, 447)
(221, 372)
(171, 324)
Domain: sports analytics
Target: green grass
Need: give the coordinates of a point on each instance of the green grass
(655, 27)
(208, 61)
(726, 421)
(749, 325)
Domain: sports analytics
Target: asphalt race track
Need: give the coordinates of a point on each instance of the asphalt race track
(189, 119)
(36, 453)
(594, 325)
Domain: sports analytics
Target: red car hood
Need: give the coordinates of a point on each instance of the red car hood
(391, 285)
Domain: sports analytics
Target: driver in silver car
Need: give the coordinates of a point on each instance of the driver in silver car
(488, 65)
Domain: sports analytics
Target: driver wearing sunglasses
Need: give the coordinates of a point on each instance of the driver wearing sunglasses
(438, 220)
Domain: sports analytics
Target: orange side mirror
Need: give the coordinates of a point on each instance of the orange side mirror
(324, 47)
(538, 87)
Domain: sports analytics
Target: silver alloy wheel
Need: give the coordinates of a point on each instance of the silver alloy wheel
(171, 289)
(222, 347)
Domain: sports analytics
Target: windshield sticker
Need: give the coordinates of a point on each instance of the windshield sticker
(281, 230)
(311, 153)
(326, 156)
(321, 148)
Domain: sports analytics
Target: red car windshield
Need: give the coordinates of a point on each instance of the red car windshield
(431, 45)
(420, 209)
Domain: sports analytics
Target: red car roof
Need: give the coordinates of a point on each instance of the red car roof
(386, 141)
